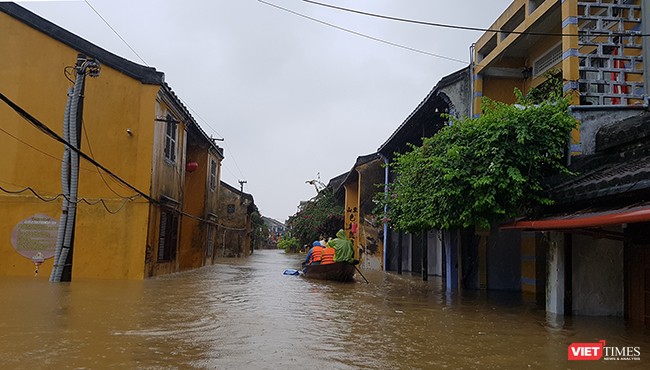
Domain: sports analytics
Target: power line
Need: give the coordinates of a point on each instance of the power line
(363, 34)
(83, 127)
(48, 131)
(216, 132)
(116, 33)
(60, 195)
(143, 61)
(469, 28)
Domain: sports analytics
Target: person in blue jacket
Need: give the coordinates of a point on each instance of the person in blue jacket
(314, 255)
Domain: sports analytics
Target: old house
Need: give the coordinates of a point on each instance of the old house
(143, 173)
(424, 253)
(360, 222)
(234, 231)
(584, 255)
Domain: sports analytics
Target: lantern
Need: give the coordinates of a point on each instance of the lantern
(191, 166)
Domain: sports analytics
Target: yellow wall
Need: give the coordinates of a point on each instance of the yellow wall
(31, 74)
(352, 213)
(371, 230)
(193, 232)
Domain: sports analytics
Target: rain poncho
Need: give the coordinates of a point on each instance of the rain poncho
(343, 248)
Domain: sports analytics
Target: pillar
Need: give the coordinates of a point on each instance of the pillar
(555, 281)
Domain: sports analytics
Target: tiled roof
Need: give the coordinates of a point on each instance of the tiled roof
(621, 167)
(146, 75)
(416, 117)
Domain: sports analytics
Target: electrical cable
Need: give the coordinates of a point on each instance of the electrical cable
(44, 128)
(216, 132)
(143, 61)
(60, 195)
(363, 34)
(469, 28)
(97, 168)
(114, 31)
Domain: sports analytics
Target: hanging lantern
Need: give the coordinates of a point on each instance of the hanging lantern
(191, 166)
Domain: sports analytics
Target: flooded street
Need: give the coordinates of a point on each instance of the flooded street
(244, 314)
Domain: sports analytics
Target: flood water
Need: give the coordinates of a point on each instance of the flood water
(244, 314)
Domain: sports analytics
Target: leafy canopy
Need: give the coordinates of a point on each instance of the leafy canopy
(481, 170)
(322, 216)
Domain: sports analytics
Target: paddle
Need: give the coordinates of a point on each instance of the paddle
(364, 278)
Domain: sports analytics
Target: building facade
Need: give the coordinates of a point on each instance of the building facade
(129, 223)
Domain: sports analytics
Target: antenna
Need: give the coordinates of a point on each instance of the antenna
(241, 184)
(316, 183)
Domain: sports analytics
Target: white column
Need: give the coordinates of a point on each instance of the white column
(555, 279)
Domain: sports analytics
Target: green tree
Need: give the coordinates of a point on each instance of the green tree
(482, 170)
(259, 231)
(322, 216)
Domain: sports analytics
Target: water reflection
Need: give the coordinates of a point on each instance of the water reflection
(245, 314)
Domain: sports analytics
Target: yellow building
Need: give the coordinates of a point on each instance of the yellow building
(151, 215)
(593, 44)
(360, 223)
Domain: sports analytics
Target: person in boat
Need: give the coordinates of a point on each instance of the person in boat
(315, 254)
(343, 251)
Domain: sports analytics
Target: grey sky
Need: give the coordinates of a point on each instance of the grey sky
(292, 97)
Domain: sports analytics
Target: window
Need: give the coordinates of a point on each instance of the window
(213, 175)
(170, 139)
(168, 235)
(210, 246)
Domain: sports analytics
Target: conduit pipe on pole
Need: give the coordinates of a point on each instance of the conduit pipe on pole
(73, 135)
(65, 172)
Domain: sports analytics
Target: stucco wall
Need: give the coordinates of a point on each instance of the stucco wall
(592, 119)
(31, 74)
(459, 94)
(597, 277)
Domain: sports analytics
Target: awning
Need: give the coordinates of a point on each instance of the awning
(585, 219)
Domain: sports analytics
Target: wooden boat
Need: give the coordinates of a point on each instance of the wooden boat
(338, 271)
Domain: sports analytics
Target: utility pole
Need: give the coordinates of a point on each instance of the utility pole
(241, 184)
(62, 268)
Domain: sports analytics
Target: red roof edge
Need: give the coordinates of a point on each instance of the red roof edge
(607, 218)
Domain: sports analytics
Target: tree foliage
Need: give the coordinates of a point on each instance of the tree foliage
(322, 216)
(289, 243)
(259, 231)
(481, 170)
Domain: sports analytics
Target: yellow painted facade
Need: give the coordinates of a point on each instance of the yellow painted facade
(590, 68)
(361, 225)
(121, 131)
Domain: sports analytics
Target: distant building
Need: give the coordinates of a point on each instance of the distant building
(276, 228)
(234, 231)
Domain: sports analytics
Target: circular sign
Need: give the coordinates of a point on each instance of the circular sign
(35, 237)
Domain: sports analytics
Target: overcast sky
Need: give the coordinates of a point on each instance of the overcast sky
(292, 97)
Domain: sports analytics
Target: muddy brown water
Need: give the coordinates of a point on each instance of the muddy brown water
(244, 314)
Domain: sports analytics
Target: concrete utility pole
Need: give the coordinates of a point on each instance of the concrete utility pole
(62, 268)
(241, 184)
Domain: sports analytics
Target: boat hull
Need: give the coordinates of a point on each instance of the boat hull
(339, 271)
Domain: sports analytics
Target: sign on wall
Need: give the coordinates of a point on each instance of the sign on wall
(35, 237)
